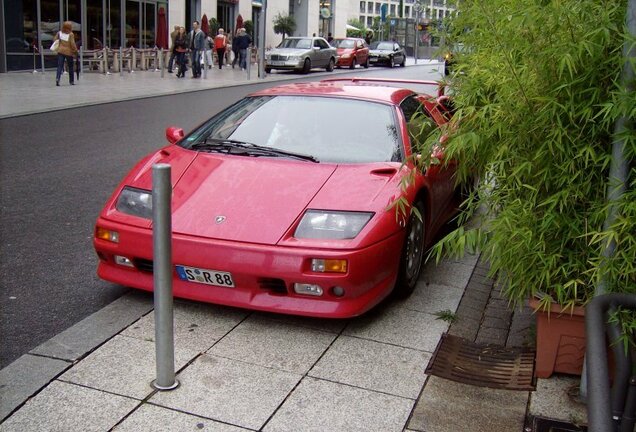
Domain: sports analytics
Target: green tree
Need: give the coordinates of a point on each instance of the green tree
(284, 24)
(362, 29)
(538, 91)
(249, 28)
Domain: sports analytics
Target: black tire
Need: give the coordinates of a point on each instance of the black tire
(307, 66)
(353, 63)
(330, 65)
(366, 64)
(391, 62)
(268, 70)
(403, 62)
(412, 254)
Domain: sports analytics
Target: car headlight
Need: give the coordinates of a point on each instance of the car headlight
(293, 58)
(333, 225)
(136, 202)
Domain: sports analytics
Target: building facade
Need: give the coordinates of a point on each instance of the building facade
(27, 27)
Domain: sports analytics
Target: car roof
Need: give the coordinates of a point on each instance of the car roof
(355, 90)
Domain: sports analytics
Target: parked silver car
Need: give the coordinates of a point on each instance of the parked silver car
(301, 54)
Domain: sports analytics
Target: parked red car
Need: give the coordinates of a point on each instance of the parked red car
(351, 52)
(280, 205)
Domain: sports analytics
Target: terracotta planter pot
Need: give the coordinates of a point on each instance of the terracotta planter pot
(560, 340)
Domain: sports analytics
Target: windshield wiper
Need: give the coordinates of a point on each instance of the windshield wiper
(224, 145)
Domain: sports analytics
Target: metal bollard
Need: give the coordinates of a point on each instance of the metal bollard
(121, 62)
(162, 252)
(205, 63)
(81, 62)
(249, 62)
(161, 61)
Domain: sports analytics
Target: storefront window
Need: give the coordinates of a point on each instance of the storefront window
(148, 35)
(325, 18)
(20, 29)
(50, 24)
(94, 26)
(132, 24)
(113, 24)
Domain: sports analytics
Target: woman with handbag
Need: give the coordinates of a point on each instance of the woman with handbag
(66, 50)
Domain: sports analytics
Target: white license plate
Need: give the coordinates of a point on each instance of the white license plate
(372, 60)
(204, 276)
(278, 63)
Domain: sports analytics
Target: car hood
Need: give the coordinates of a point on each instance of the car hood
(383, 52)
(342, 51)
(288, 51)
(259, 200)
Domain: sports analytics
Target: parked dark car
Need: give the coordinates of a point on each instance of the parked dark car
(386, 53)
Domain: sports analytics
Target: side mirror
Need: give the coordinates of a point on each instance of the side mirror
(174, 134)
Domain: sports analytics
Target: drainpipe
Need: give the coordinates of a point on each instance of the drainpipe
(619, 166)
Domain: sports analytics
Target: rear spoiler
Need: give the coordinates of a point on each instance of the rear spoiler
(440, 86)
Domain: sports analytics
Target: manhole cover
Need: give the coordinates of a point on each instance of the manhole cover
(483, 365)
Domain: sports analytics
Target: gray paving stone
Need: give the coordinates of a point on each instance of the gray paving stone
(468, 309)
(24, 377)
(399, 326)
(229, 391)
(374, 366)
(196, 326)
(152, 418)
(322, 324)
(433, 298)
(80, 339)
(319, 406)
(551, 400)
(274, 344)
(521, 328)
(447, 273)
(465, 328)
(65, 407)
(124, 366)
(447, 406)
(496, 323)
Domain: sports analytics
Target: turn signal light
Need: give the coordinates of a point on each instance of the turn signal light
(108, 235)
(328, 265)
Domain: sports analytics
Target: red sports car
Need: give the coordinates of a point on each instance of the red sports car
(279, 205)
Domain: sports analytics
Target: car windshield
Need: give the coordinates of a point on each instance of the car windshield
(295, 43)
(381, 46)
(342, 43)
(305, 125)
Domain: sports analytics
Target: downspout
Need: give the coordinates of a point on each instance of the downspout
(619, 166)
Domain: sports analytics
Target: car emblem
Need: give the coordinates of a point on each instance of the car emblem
(219, 219)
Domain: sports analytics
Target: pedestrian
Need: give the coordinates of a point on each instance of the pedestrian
(180, 49)
(368, 38)
(173, 54)
(235, 49)
(66, 52)
(329, 38)
(220, 44)
(197, 45)
(209, 42)
(242, 42)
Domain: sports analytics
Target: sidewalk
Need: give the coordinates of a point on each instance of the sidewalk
(249, 371)
(24, 93)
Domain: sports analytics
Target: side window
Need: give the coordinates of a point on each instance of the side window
(317, 43)
(419, 123)
(323, 44)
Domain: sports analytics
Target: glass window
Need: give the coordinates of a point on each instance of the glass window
(377, 8)
(50, 24)
(148, 35)
(419, 124)
(392, 10)
(73, 13)
(132, 24)
(370, 7)
(407, 11)
(295, 43)
(94, 25)
(113, 25)
(289, 123)
(20, 25)
(369, 21)
(362, 7)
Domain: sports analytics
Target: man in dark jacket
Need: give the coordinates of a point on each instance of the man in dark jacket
(197, 45)
(242, 42)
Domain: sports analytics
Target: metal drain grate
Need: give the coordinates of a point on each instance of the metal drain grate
(482, 365)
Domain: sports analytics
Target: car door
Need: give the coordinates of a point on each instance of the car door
(399, 55)
(361, 52)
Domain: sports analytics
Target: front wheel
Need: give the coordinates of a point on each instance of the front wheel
(412, 253)
(366, 63)
(268, 69)
(403, 62)
(307, 66)
(391, 62)
(353, 63)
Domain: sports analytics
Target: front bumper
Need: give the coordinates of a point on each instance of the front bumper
(285, 64)
(264, 275)
(381, 60)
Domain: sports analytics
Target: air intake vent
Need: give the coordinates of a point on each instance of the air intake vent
(143, 265)
(276, 286)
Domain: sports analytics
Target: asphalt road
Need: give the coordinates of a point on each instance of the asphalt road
(56, 171)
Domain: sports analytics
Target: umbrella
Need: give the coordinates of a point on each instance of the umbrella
(205, 25)
(350, 27)
(162, 30)
(239, 22)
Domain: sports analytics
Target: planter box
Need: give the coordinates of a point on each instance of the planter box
(560, 340)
